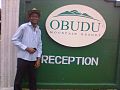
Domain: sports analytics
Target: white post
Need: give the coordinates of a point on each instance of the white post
(10, 18)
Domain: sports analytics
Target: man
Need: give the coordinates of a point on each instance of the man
(27, 39)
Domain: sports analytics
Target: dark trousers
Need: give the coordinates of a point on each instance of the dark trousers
(25, 68)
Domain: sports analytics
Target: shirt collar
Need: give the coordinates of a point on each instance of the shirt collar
(29, 23)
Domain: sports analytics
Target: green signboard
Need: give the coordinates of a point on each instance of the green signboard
(80, 43)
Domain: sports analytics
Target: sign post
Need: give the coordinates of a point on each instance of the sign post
(80, 43)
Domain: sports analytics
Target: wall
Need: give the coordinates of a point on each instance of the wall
(10, 15)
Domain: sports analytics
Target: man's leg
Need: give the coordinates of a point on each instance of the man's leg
(32, 76)
(21, 67)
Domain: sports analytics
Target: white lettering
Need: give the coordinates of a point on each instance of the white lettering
(44, 59)
(51, 59)
(71, 59)
(58, 60)
(64, 59)
(94, 61)
(78, 60)
(89, 61)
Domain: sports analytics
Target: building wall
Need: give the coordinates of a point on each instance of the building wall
(10, 16)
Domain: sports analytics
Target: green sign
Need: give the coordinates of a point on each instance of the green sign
(80, 43)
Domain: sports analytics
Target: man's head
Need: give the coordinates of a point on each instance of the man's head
(34, 16)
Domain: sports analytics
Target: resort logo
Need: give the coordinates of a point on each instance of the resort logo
(75, 25)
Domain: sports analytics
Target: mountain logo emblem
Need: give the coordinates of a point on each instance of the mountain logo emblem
(75, 25)
(75, 13)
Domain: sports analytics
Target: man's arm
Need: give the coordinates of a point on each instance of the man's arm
(17, 37)
(39, 51)
(39, 47)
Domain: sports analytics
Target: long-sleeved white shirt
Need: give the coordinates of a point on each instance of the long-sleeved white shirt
(28, 36)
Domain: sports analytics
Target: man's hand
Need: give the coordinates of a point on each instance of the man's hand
(30, 50)
(37, 63)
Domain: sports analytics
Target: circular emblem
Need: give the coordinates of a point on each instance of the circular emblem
(75, 25)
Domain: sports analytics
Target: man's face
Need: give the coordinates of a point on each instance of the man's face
(34, 18)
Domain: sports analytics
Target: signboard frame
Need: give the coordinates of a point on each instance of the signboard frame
(26, 5)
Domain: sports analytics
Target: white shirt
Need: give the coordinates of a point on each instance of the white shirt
(28, 36)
